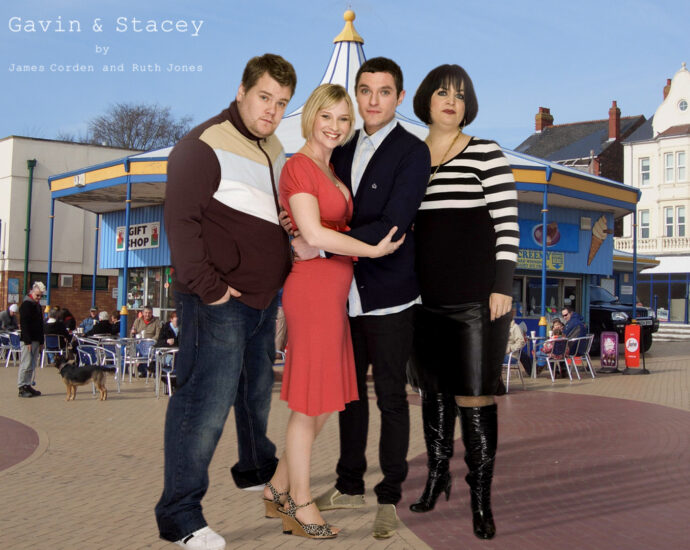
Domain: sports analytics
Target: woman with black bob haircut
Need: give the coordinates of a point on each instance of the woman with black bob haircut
(467, 238)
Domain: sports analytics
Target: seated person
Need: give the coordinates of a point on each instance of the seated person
(147, 325)
(8, 318)
(517, 341)
(557, 330)
(87, 324)
(574, 326)
(55, 326)
(103, 325)
(168, 338)
(169, 333)
(115, 322)
(67, 318)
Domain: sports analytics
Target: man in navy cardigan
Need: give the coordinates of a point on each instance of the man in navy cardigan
(386, 169)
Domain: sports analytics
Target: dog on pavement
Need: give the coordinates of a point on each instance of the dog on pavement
(74, 375)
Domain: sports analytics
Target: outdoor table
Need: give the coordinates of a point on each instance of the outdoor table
(533, 344)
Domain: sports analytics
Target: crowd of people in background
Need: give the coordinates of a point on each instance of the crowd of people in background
(33, 324)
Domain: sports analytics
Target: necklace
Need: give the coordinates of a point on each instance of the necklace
(318, 163)
(443, 158)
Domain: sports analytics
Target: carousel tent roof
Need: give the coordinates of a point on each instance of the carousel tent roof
(347, 57)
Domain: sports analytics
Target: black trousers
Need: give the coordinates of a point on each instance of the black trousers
(385, 342)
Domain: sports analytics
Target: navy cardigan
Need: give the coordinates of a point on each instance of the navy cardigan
(389, 194)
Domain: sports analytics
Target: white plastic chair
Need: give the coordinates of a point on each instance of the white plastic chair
(556, 357)
(512, 361)
(15, 348)
(580, 352)
(53, 344)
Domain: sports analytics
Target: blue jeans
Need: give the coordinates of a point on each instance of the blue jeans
(225, 359)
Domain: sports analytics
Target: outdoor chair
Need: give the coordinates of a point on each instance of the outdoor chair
(109, 358)
(512, 361)
(578, 351)
(88, 355)
(53, 344)
(556, 357)
(4, 345)
(165, 364)
(15, 349)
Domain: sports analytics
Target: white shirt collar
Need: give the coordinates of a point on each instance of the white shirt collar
(377, 137)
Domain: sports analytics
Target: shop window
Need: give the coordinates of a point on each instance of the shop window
(135, 288)
(680, 166)
(644, 172)
(533, 301)
(43, 277)
(680, 220)
(644, 224)
(87, 282)
(668, 221)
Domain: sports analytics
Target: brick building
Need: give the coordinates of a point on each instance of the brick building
(594, 146)
(25, 165)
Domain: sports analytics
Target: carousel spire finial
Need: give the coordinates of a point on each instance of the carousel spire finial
(349, 34)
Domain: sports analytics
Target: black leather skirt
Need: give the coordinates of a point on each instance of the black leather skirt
(458, 349)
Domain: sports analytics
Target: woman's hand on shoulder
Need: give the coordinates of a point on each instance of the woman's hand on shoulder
(499, 304)
(387, 245)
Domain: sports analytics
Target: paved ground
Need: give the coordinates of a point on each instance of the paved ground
(599, 463)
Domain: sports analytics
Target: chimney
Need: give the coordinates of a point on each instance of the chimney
(614, 122)
(667, 88)
(543, 119)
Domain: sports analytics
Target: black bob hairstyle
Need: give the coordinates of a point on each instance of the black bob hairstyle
(444, 76)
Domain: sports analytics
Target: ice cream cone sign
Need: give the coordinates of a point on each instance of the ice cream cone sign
(599, 234)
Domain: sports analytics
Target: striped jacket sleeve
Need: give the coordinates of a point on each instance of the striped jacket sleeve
(501, 198)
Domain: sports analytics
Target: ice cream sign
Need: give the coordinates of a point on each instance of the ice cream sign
(143, 235)
(561, 237)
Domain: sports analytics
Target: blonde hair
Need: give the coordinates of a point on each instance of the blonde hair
(324, 97)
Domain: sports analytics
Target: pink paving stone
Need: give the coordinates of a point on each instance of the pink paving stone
(18, 442)
(572, 471)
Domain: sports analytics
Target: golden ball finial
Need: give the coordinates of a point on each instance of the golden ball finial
(349, 15)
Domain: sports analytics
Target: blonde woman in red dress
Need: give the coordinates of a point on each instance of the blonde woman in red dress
(319, 375)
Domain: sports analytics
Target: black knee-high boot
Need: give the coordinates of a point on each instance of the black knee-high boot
(480, 435)
(438, 414)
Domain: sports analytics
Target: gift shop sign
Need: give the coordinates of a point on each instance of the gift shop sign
(143, 235)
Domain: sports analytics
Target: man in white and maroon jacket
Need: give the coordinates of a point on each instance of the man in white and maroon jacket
(231, 256)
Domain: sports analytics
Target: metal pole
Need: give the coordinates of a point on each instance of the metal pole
(95, 262)
(634, 309)
(31, 164)
(50, 249)
(544, 220)
(123, 311)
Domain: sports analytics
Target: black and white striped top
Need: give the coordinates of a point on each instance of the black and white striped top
(466, 229)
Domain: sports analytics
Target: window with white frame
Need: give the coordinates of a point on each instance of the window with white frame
(680, 166)
(644, 172)
(668, 221)
(644, 224)
(669, 167)
(680, 220)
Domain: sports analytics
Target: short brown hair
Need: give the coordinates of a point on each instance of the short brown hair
(382, 65)
(277, 68)
(323, 97)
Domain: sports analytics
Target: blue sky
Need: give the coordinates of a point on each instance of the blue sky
(574, 57)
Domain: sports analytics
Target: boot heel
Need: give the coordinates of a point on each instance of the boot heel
(447, 489)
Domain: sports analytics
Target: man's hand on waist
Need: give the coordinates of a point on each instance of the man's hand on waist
(229, 293)
(302, 250)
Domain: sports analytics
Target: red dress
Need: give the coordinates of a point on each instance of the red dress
(319, 374)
